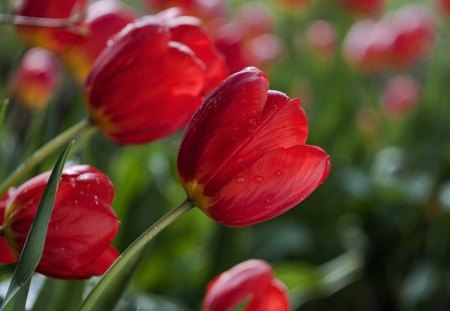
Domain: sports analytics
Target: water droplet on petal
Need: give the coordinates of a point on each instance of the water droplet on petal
(277, 173)
(252, 121)
(260, 166)
(293, 162)
(258, 179)
(240, 179)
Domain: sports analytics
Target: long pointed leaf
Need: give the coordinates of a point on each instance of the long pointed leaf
(34, 244)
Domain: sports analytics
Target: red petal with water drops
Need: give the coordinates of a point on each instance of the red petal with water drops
(82, 225)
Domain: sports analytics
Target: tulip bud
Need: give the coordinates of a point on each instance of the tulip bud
(82, 225)
(251, 280)
(104, 18)
(146, 84)
(243, 158)
(36, 79)
(54, 39)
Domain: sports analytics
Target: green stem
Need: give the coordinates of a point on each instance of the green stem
(130, 253)
(39, 155)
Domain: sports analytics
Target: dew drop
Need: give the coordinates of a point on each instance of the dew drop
(240, 179)
(252, 121)
(293, 162)
(258, 179)
(260, 166)
(277, 173)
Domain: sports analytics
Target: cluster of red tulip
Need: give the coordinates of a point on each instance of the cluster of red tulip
(395, 41)
(243, 158)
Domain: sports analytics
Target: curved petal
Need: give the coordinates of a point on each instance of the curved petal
(188, 30)
(82, 225)
(270, 186)
(248, 279)
(221, 124)
(275, 298)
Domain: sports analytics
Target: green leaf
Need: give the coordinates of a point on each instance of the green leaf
(124, 266)
(34, 244)
(3, 106)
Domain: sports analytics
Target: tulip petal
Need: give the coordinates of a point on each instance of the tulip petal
(269, 186)
(129, 112)
(274, 298)
(223, 117)
(188, 30)
(248, 280)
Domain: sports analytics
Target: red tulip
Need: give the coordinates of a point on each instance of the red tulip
(51, 38)
(104, 19)
(144, 85)
(243, 158)
(400, 95)
(367, 45)
(252, 280)
(36, 79)
(82, 225)
(413, 34)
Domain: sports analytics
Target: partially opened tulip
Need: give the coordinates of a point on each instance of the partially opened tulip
(147, 84)
(81, 228)
(36, 79)
(251, 283)
(55, 39)
(243, 157)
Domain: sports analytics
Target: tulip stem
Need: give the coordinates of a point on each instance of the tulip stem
(40, 21)
(39, 155)
(130, 254)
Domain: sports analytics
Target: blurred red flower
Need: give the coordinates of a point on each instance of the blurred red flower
(248, 40)
(146, 84)
(36, 79)
(104, 18)
(82, 225)
(397, 40)
(251, 280)
(243, 158)
(321, 36)
(363, 7)
(52, 38)
(400, 95)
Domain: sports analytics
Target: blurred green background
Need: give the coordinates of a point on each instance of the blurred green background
(374, 236)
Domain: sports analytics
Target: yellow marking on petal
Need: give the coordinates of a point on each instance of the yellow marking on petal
(101, 120)
(195, 193)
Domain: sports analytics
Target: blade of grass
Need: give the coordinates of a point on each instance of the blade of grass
(3, 106)
(34, 244)
(123, 266)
